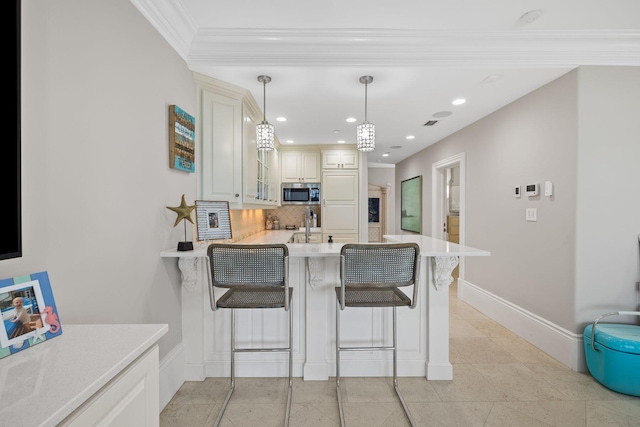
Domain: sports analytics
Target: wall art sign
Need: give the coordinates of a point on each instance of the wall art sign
(29, 314)
(182, 131)
(213, 220)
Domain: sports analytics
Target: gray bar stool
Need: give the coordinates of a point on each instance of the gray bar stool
(371, 276)
(257, 276)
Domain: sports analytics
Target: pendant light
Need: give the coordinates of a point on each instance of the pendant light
(264, 131)
(366, 134)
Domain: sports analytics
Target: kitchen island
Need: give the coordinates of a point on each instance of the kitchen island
(423, 338)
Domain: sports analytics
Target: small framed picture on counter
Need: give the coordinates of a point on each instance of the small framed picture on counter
(213, 220)
(29, 314)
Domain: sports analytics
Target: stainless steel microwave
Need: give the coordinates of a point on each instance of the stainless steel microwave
(301, 193)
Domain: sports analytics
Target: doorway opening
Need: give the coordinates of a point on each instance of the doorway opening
(377, 212)
(448, 204)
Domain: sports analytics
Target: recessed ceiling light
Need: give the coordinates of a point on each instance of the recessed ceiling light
(351, 120)
(342, 141)
(289, 141)
(385, 155)
(459, 101)
(281, 119)
(492, 78)
(441, 114)
(410, 137)
(336, 131)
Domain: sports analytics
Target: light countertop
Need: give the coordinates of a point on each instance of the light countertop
(428, 246)
(42, 385)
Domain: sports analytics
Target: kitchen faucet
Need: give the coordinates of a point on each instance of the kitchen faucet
(307, 224)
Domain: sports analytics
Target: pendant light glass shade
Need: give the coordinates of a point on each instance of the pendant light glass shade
(366, 132)
(265, 136)
(366, 137)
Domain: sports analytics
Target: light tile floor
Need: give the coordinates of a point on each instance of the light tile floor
(499, 380)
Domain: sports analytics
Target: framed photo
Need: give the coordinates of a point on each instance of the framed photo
(213, 220)
(29, 314)
(182, 132)
(411, 204)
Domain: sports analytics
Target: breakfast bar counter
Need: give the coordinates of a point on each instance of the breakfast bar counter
(423, 340)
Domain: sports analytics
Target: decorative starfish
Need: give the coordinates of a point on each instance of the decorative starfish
(183, 211)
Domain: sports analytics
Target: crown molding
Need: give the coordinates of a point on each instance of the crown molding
(378, 47)
(172, 21)
(355, 47)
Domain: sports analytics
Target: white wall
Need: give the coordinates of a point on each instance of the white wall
(581, 258)
(97, 81)
(530, 140)
(608, 219)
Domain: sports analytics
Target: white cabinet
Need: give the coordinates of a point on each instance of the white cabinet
(220, 138)
(130, 399)
(340, 206)
(300, 166)
(340, 159)
(274, 172)
(230, 167)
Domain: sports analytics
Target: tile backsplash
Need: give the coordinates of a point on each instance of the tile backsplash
(245, 223)
(292, 215)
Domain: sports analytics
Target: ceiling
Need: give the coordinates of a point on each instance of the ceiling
(421, 54)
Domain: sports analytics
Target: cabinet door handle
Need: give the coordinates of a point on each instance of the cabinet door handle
(237, 195)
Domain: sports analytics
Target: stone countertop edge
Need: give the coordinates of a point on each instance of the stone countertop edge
(429, 246)
(66, 370)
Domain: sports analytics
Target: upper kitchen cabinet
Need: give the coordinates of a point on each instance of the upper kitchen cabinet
(261, 182)
(340, 159)
(230, 167)
(300, 166)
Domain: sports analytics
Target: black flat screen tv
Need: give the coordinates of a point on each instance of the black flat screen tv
(10, 171)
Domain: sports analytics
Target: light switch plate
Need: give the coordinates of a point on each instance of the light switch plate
(531, 214)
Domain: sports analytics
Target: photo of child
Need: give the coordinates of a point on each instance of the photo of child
(21, 318)
(213, 220)
(20, 312)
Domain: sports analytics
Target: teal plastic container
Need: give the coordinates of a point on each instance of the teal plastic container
(615, 362)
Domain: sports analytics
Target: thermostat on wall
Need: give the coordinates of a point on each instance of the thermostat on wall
(532, 189)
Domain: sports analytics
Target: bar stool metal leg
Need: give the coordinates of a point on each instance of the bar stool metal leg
(340, 408)
(233, 368)
(395, 371)
(288, 411)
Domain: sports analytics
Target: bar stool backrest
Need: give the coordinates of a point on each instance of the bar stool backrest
(232, 265)
(379, 265)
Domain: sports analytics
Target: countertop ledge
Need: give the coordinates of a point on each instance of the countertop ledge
(44, 384)
(429, 246)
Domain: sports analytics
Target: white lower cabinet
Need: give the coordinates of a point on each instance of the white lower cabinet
(129, 399)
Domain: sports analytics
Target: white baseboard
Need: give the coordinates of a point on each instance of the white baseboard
(171, 374)
(559, 343)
